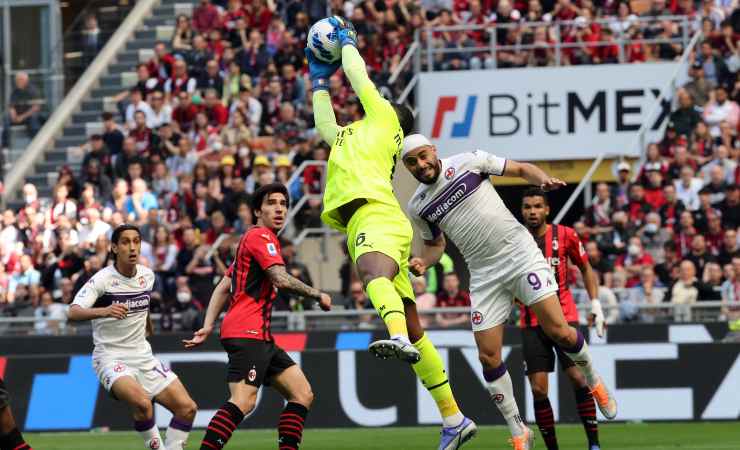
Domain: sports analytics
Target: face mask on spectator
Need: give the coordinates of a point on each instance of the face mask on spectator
(633, 250)
(183, 297)
(651, 228)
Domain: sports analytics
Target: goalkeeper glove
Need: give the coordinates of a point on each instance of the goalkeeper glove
(319, 72)
(345, 31)
(597, 317)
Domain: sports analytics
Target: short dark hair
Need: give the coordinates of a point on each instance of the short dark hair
(405, 118)
(119, 231)
(264, 192)
(534, 191)
(107, 116)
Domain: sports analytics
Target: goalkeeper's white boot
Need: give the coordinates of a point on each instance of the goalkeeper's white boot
(395, 348)
(452, 438)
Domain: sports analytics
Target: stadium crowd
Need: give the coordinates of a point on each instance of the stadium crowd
(225, 107)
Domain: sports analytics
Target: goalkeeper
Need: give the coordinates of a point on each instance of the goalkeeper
(359, 201)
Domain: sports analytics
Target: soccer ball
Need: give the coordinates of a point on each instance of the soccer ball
(323, 41)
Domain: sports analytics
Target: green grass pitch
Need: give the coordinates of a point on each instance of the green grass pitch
(663, 436)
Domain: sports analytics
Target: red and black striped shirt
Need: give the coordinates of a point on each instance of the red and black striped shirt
(252, 292)
(559, 244)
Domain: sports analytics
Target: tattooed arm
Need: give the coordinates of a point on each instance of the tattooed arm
(283, 280)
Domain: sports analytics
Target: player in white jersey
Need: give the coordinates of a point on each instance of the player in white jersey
(457, 198)
(116, 299)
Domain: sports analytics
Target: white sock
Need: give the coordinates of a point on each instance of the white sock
(177, 434)
(150, 433)
(453, 420)
(581, 356)
(502, 393)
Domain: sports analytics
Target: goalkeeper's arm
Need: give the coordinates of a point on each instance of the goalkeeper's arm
(356, 71)
(323, 115)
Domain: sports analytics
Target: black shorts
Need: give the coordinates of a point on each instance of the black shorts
(4, 396)
(540, 350)
(254, 361)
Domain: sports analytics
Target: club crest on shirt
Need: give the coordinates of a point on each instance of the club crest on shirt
(142, 281)
(449, 173)
(271, 249)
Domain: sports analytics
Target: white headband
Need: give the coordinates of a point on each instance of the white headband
(412, 142)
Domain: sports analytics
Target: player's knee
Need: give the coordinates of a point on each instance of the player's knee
(245, 404)
(187, 410)
(303, 396)
(539, 391)
(490, 359)
(142, 408)
(560, 333)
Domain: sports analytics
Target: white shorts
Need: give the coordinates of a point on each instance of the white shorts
(149, 372)
(492, 297)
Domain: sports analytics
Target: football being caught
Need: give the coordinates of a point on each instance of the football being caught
(323, 42)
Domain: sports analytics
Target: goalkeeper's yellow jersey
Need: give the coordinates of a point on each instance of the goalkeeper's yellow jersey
(364, 154)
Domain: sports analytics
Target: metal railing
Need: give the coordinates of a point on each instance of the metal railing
(560, 29)
(352, 319)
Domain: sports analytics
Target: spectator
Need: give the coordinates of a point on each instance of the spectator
(27, 278)
(637, 207)
(730, 248)
(179, 82)
(183, 35)
(721, 159)
(140, 201)
(359, 301)
(253, 57)
(184, 114)
(424, 301)
(698, 88)
(90, 267)
(711, 283)
(162, 111)
(91, 39)
(650, 292)
(197, 58)
(715, 68)
(684, 291)
(687, 188)
(90, 232)
(250, 107)
(671, 210)
(601, 265)
(211, 78)
(720, 109)
(621, 189)
(714, 235)
(633, 261)
(24, 106)
(687, 116)
(452, 297)
(206, 17)
(730, 207)
(216, 112)
(50, 317)
(112, 135)
(699, 255)
(654, 236)
(653, 192)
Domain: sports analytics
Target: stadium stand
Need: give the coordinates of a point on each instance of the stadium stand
(210, 100)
